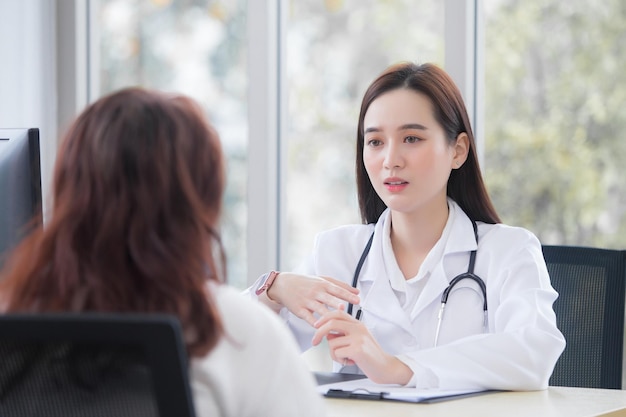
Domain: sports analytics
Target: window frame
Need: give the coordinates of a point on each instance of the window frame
(77, 65)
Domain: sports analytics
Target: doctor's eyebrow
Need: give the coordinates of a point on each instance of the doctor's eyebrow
(407, 126)
(416, 126)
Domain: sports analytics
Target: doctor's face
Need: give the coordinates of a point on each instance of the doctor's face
(406, 153)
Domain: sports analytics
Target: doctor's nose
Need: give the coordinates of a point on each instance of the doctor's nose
(393, 158)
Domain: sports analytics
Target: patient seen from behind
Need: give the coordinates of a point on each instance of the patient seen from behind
(134, 227)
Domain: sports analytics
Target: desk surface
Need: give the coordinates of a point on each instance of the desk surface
(555, 401)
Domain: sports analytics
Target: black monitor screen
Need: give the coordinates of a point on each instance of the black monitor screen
(20, 185)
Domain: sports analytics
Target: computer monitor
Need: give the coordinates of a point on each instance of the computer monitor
(20, 186)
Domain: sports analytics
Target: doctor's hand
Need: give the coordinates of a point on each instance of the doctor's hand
(350, 343)
(305, 295)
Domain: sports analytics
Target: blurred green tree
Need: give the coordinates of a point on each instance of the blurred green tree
(554, 118)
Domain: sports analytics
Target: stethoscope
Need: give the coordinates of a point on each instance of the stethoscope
(444, 297)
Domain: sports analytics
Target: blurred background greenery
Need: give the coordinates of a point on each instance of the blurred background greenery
(555, 92)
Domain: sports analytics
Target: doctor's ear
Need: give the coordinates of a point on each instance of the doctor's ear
(461, 149)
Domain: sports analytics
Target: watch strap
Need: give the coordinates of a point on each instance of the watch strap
(266, 282)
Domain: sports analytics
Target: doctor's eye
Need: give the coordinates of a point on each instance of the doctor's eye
(412, 139)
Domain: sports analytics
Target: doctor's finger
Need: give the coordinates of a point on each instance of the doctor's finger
(320, 306)
(331, 302)
(342, 284)
(343, 355)
(343, 360)
(330, 329)
(334, 315)
(343, 291)
(309, 308)
(306, 314)
(343, 348)
(343, 295)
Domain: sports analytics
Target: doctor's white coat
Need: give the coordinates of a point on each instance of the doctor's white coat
(522, 343)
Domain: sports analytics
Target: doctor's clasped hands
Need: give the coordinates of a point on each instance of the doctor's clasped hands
(320, 301)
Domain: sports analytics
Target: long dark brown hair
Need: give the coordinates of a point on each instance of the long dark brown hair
(137, 195)
(465, 185)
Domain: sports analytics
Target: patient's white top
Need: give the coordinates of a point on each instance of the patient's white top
(255, 369)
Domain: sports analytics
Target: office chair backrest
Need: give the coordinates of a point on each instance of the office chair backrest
(93, 365)
(589, 313)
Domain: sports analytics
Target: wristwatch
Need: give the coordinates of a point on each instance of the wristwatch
(266, 282)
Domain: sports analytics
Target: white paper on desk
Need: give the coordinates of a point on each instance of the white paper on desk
(394, 392)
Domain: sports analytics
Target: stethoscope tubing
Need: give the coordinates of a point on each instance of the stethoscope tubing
(444, 297)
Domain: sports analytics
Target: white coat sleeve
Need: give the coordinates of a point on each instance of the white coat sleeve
(523, 343)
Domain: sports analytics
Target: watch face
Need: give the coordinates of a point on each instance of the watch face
(263, 285)
(261, 290)
(266, 282)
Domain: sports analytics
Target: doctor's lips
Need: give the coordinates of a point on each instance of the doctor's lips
(395, 184)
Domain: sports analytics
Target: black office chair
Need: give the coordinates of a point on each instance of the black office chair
(589, 313)
(93, 365)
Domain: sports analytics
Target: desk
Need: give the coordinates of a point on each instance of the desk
(553, 402)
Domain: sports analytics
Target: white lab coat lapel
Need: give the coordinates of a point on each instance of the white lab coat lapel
(433, 289)
(460, 242)
(380, 300)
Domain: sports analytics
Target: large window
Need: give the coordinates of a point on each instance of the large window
(195, 47)
(334, 50)
(555, 93)
(554, 88)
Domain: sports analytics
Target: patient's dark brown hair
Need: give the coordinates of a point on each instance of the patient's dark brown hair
(137, 195)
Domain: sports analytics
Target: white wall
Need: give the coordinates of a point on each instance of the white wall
(28, 95)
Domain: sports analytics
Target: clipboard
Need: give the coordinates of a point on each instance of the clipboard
(365, 389)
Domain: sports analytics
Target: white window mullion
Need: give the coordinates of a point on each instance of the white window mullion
(72, 59)
(281, 214)
(464, 42)
(479, 81)
(263, 136)
(92, 71)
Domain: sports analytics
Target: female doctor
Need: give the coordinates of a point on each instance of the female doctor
(431, 291)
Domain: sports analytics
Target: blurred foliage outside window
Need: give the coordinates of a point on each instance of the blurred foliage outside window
(555, 88)
(555, 76)
(335, 48)
(198, 48)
